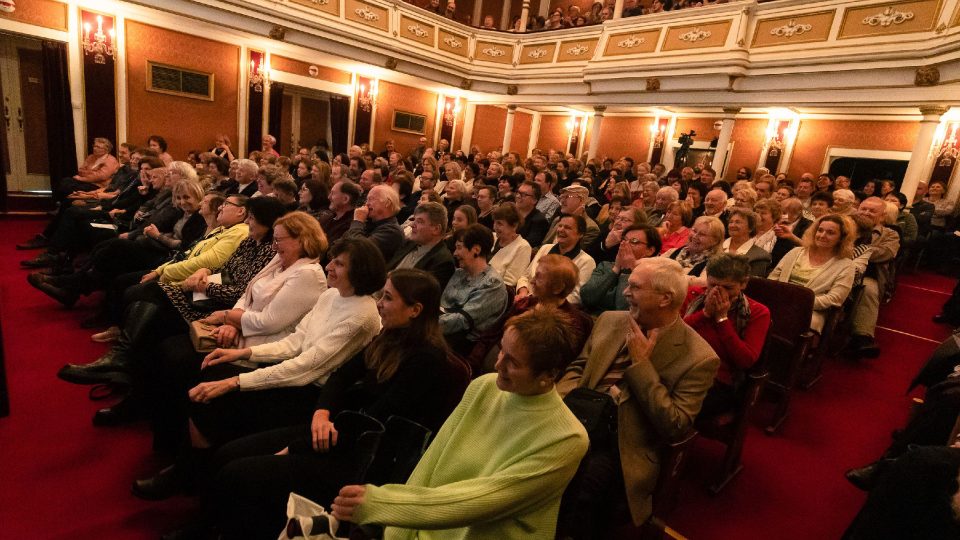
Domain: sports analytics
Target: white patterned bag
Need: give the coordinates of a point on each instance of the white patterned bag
(307, 519)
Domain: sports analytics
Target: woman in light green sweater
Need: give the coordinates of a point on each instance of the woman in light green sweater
(500, 463)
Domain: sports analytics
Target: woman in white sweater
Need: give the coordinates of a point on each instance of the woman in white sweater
(278, 297)
(823, 264)
(511, 252)
(276, 384)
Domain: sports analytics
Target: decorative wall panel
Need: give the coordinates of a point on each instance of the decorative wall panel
(696, 36)
(792, 30)
(297, 67)
(46, 13)
(538, 54)
(578, 50)
(326, 6)
(453, 43)
(888, 19)
(632, 43)
(488, 51)
(417, 31)
(367, 14)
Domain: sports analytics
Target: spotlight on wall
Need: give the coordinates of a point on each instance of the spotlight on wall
(101, 46)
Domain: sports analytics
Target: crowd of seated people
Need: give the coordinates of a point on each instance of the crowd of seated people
(244, 316)
(571, 17)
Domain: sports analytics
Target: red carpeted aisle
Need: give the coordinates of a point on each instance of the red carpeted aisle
(63, 478)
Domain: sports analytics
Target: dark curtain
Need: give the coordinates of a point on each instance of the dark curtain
(254, 120)
(61, 148)
(339, 123)
(276, 114)
(4, 164)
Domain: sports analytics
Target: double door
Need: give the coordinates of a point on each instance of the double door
(23, 116)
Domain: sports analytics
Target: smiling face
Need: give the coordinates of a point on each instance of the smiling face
(714, 202)
(187, 202)
(338, 271)
(394, 312)
(700, 238)
(286, 245)
(738, 227)
(827, 235)
(513, 368)
(567, 234)
(231, 212)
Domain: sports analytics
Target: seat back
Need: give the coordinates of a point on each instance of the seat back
(791, 309)
(402, 444)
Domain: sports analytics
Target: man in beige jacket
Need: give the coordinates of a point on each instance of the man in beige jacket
(658, 370)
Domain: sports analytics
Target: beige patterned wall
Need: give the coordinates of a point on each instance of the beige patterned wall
(417, 31)
(453, 43)
(577, 50)
(488, 51)
(538, 54)
(367, 14)
(326, 6)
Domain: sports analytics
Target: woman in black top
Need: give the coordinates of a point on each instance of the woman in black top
(405, 372)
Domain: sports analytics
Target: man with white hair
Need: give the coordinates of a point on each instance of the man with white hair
(266, 145)
(715, 205)
(657, 370)
(885, 244)
(377, 220)
(665, 196)
(843, 202)
(573, 201)
(247, 171)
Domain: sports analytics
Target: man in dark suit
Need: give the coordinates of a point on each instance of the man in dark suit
(657, 370)
(425, 250)
(533, 224)
(247, 171)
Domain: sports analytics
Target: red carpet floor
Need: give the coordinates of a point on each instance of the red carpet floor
(62, 478)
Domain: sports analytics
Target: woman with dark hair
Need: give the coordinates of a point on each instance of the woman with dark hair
(273, 385)
(696, 192)
(314, 197)
(405, 371)
(463, 217)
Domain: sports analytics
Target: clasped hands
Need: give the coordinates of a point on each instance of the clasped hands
(197, 282)
(207, 391)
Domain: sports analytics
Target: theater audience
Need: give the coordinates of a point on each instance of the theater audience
(511, 252)
(607, 249)
(533, 224)
(475, 297)
(657, 371)
(94, 172)
(674, 228)
(493, 439)
(572, 201)
(705, 240)
(377, 221)
(424, 249)
(276, 384)
(604, 290)
(570, 230)
(822, 264)
(734, 326)
(463, 216)
(742, 229)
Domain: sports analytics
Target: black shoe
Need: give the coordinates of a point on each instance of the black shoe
(37, 242)
(863, 478)
(868, 349)
(42, 283)
(44, 260)
(163, 485)
(944, 319)
(109, 368)
(125, 411)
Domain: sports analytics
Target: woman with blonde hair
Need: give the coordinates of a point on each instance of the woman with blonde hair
(675, 228)
(704, 241)
(822, 263)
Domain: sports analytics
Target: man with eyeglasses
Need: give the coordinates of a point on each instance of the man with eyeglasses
(533, 224)
(573, 203)
(604, 290)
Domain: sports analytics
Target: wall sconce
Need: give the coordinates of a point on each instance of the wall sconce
(657, 133)
(574, 125)
(101, 47)
(367, 97)
(259, 73)
(450, 112)
(946, 146)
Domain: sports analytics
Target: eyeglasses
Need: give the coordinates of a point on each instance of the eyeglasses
(633, 241)
(521, 195)
(230, 203)
(278, 239)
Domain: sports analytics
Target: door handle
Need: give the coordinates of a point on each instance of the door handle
(20, 118)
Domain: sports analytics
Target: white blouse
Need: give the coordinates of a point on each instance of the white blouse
(512, 260)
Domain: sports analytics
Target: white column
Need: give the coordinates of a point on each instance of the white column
(534, 132)
(544, 9)
(469, 117)
(508, 128)
(920, 159)
(477, 13)
(595, 129)
(618, 9)
(352, 124)
(723, 141)
(240, 145)
(120, 48)
(265, 124)
(505, 15)
(75, 69)
(524, 15)
(669, 152)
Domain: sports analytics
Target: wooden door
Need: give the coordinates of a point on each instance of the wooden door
(24, 116)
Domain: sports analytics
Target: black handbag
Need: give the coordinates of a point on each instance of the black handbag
(596, 411)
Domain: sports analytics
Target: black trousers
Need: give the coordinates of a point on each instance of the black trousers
(171, 369)
(251, 487)
(68, 186)
(238, 414)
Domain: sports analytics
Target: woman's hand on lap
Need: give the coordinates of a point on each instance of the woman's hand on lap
(347, 501)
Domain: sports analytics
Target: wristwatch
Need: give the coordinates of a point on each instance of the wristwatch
(721, 319)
